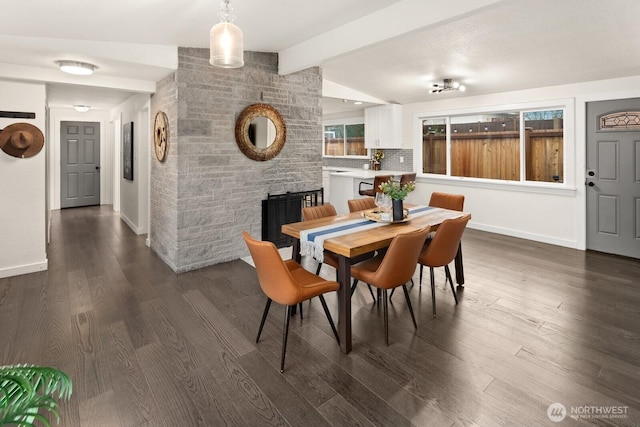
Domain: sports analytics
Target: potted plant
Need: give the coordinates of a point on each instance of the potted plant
(28, 392)
(397, 193)
(376, 157)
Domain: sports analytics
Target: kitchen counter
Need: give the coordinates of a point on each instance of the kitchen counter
(366, 173)
(344, 184)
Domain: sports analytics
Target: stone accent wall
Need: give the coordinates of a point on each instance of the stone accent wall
(163, 229)
(219, 190)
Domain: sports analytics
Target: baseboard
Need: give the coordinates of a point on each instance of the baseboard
(524, 235)
(24, 269)
(131, 225)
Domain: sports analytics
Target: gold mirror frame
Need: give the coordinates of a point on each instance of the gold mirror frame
(242, 132)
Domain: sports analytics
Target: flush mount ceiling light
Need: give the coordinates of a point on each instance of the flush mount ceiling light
(82, 108)
(226, 41)
(446, 86)
(76, 67)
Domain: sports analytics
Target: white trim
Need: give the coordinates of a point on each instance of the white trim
(132, 226)
(494, 184)
(345, 121)
(524, 235)
(24, 269)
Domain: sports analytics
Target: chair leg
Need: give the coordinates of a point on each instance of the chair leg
(406, 296)
(353, 286)
(371, 292)
(353, 289)
(386, 317)
(318, 269)
(326, 311)
(264, 317)
(448, 274)
(421, 274)
(285, 335)
(433, 290)
(301, 317)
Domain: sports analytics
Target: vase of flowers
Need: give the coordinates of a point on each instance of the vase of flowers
(376, 158)
(397, 193)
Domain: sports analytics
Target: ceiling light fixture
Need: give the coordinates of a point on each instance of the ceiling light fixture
(226, 41)
(82, 108)
(76, 67)
(446, 86)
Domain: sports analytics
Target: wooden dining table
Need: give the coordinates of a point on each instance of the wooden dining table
(352, 245)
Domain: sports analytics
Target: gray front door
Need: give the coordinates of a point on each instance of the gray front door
(613, 177)
(79, 164)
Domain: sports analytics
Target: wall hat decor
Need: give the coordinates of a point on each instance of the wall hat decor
(21, 140)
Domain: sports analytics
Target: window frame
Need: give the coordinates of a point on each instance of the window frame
(565, 187)
(343, 122)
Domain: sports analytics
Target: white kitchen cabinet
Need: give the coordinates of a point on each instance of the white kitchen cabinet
(383, 126)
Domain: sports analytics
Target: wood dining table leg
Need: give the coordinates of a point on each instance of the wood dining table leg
(459, 267)
(344, 303)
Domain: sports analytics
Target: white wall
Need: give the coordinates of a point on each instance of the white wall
(553, 216)
(64, 114)
(23, 187)
(134, 195)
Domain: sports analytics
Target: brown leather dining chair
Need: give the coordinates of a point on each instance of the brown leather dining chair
(441, 250)
(362, 204)
(287, 283)
(454, 202)
(323, 211)
(405, 178)
(316, 212)
(379, 179)
(393, 268)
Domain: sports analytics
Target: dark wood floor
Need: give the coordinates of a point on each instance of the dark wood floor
(536, 324)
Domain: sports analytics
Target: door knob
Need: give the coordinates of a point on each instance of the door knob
(97, 167)
(591, 183)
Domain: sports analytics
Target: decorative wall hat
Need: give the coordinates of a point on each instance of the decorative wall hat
(21, 140)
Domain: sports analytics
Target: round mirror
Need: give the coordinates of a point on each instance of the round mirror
(260, 132)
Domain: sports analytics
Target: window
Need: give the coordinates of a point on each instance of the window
(344, 139)
(525, 145)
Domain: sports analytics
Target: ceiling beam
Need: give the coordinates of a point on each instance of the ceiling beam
(400, 18)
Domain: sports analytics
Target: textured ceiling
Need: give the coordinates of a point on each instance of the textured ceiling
(501, 46)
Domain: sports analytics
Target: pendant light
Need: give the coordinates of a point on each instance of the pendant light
(225, 40)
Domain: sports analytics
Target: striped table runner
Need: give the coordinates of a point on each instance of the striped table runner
(312, 240)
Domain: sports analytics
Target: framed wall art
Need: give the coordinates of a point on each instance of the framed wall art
(127, 151)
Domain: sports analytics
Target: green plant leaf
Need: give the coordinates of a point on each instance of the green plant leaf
(27, 392)
(396, 191)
